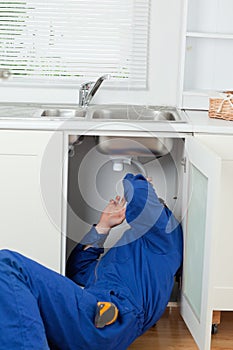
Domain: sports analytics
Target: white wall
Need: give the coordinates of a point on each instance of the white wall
(164, 52)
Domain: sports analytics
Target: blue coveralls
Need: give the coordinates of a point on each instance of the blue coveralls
(40, 309)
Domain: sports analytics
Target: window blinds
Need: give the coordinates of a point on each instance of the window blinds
(70, 41)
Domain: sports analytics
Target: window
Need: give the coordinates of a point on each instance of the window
(65, 42)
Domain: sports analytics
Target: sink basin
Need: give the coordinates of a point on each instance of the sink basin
(134, 146)
(64, 113)
(137, 113)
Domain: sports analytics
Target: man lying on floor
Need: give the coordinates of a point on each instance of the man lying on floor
(125, 293)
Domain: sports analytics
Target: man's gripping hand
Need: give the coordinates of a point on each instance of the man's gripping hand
(112, 215)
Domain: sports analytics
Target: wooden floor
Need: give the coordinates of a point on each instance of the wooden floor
(170, 333)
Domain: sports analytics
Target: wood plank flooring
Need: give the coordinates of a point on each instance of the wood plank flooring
(171, 333)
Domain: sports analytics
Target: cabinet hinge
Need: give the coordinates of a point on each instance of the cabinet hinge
(183, 163)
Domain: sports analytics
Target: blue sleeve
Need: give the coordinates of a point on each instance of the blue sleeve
(94, 238)
(81, 263)
(147, 216)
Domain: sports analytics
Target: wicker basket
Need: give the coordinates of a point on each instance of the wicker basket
(221, 107)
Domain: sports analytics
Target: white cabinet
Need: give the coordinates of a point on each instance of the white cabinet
(207, 50)
(207, 270)
(31, 194)
(206, 178)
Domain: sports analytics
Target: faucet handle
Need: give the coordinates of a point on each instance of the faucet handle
(86, 86)
(88, 90)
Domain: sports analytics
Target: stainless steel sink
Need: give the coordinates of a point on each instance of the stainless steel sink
(134, 146)
(118, 112)
(137, 113)
(64, 113)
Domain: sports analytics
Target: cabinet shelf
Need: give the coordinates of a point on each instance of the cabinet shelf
(209, 35)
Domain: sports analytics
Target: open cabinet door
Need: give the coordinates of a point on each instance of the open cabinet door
(201, 189)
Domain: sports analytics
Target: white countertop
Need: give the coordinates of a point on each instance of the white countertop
(30, 118)
(201, 123)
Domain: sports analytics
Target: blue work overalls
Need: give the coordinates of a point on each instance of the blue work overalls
(40, 309)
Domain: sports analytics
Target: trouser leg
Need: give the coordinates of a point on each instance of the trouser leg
(21, 326)
(39, 296)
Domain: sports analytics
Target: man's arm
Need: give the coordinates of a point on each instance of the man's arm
(148, 217)
(83, 259)
(113, 215)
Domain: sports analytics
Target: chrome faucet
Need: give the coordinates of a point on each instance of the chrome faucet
(88, 90)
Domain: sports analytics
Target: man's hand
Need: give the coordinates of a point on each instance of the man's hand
(113, 215)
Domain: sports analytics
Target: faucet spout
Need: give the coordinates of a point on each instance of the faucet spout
(88, 90)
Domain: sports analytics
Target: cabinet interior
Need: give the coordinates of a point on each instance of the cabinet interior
(210, 16)
(92, 182)
(207, 62)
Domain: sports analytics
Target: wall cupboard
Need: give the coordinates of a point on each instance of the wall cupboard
(207, 51)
